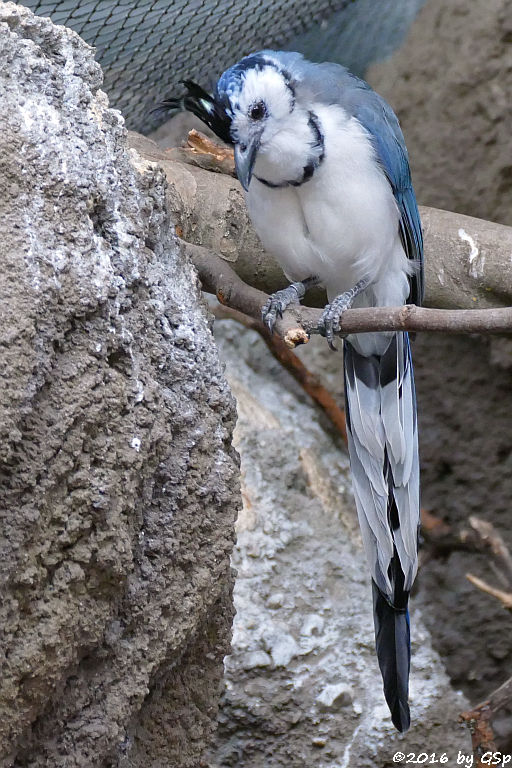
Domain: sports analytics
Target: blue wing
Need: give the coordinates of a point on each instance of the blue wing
(382, 124)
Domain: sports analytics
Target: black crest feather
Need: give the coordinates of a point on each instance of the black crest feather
(203, 105)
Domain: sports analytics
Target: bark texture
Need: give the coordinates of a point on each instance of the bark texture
(467, 260)
(119, 486)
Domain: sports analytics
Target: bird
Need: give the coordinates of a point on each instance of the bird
(325, 169)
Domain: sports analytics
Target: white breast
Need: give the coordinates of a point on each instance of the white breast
(340, 225)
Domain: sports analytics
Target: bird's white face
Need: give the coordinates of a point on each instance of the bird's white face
(263, 102)
(260, 110)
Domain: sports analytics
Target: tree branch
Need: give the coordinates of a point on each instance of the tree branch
(504, 597)
(299, 322)
(491, 541)
(467, 260)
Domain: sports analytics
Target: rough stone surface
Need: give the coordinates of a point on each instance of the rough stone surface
(451, 84)
(119, 486)
(302, 683)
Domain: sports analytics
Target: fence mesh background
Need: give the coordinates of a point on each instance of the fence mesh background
(147, 47)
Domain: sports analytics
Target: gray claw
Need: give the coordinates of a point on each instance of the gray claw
(330, 337)
(329, 323)
(277, 304)
(270, 321)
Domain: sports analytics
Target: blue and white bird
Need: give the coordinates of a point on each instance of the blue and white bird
(325, 168)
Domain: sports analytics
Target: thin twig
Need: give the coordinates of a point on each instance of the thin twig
(299, 322)
(491, 538)
(502, 696)
(504, 597)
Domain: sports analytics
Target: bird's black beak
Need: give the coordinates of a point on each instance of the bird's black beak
(245, 157)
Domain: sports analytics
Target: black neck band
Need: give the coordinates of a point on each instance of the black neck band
(314, 162)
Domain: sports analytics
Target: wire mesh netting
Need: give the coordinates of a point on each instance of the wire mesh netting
(147, 47)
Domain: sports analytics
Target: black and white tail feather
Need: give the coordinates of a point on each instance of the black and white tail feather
(383, 444)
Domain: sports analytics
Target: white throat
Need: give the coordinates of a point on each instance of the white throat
(287, 150)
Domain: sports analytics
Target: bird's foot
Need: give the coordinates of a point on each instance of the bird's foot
(329, 323)
(279, 301)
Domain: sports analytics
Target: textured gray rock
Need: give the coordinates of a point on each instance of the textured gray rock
(119, 486)
(450, 84)
(302, 683)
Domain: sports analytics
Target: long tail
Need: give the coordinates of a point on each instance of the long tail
(383, 446)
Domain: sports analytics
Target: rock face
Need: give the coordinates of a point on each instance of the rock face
(302, 683)
(119, 486)
(450, 85)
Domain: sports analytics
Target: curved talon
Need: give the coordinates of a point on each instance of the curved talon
(326, 327)
(278, 302)
(329, 323)
(330, 335)
(271, 311)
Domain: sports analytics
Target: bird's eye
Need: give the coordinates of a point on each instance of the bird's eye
(257, 111)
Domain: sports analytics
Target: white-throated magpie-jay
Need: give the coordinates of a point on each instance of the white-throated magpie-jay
(324, 165)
